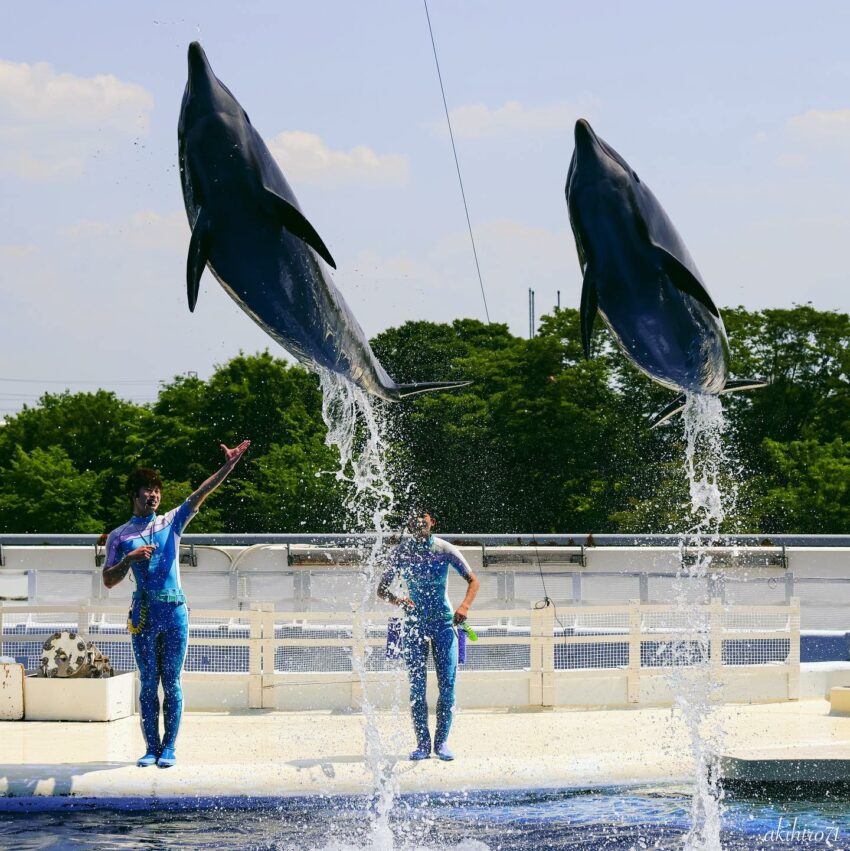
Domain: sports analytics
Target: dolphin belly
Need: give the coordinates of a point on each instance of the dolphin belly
(667, 334)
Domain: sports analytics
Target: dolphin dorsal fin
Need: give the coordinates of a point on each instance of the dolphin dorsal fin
(684, 280)
(199, 254)
(296, 223)
(589, 306)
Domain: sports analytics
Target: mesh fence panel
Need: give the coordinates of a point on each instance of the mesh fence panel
(743, 621)
(216, 658)
(589, 623)
(608, 655)
(671, 654)
(756, 651)
(288, 659)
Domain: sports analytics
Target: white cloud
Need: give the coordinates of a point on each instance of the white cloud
(821, 126)
(306, 157)
(51, 122)
(477, 121)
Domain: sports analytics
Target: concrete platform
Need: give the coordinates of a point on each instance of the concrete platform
(271, 754)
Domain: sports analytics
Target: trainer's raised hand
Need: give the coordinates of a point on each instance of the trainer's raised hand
(233, 455)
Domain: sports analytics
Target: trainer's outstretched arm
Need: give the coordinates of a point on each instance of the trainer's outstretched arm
(196, 500)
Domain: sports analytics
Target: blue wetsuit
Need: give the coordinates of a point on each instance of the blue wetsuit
(424, 567)
(160, 646)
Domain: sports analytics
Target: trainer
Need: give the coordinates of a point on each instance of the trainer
(422, 562)
(158, 621)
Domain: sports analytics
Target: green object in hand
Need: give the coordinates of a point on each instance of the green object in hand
(470, 632)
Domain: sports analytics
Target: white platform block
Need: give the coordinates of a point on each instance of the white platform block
(55, 699)
(11, 692)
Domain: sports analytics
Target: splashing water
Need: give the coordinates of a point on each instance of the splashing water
(694, 683)
(357, 428)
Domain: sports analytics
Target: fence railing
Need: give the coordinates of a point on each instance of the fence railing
(302, 577)
(312, 659)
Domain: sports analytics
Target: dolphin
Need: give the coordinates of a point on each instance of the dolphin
(640, 277)
(248, 228)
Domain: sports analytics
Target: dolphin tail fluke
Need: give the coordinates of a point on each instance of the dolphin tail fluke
(404, 390)
(199, 252)
(296, 223)
(677, 405)
(731, 386)
(744, 384)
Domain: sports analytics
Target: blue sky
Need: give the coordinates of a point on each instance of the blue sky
(737, 115)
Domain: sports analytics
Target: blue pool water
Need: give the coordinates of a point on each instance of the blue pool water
(639, 819)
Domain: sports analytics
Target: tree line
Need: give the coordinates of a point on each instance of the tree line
(542, 440)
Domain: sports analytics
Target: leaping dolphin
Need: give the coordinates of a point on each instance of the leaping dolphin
(640, 276)
(248, 228)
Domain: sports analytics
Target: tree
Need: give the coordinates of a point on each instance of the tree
(43, 492)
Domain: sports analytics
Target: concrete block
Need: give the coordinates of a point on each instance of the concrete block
(839, 700)
(55, 699)
(11, 692)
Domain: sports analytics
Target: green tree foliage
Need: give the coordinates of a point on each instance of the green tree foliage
(43, 492)
(541, 440)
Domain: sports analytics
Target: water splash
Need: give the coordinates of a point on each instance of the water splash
(706, 466)
(357, 428)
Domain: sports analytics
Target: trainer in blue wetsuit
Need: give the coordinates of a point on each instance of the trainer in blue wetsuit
(158, 621)
(423, 563)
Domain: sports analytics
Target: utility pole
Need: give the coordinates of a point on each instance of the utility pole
(559, 299)
(531, 327)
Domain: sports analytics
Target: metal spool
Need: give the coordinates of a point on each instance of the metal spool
(66, 654)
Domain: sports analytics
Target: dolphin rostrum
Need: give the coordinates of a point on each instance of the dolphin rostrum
(640, 276)
(248, 228)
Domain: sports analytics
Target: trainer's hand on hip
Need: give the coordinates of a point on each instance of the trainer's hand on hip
(460, 614)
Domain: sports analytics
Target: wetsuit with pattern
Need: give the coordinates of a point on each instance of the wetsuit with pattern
(424, 567)
(160, 647)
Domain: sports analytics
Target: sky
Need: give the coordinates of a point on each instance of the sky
(737, 115)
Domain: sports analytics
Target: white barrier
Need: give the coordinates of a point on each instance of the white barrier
(579, 656)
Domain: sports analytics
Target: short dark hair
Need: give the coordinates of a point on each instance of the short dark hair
(420, 511)
(142, 477)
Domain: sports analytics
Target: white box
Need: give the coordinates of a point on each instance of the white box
(11, 692)
(61, 699)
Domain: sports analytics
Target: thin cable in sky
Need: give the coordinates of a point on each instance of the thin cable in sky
(457, 164)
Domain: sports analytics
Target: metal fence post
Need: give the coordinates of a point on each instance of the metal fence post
(794, 650)
(633, 674)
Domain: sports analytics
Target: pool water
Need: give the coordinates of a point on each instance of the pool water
(647, 818)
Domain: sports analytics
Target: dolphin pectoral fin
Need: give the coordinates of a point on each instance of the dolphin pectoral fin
(405, 390)
(684, 280)
(199, 253)
(738, 384)
(589, 306)
(296, 223)
(677, 405)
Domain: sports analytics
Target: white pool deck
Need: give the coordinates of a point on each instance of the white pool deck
(273, 754)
